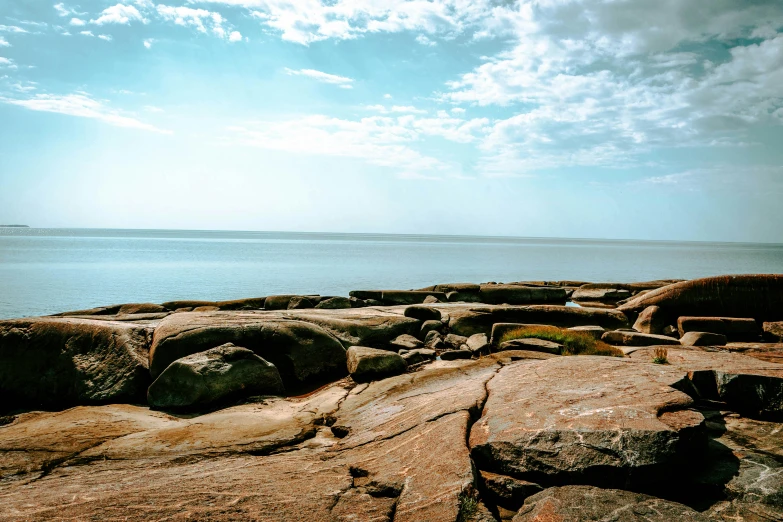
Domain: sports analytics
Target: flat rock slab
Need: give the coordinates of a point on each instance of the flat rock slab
(622, 338)
(469, 321)
(56, 362)
(532, 344)
(735, 328)
(745, 383)
(587, 504)
(769, 352)
(587, 419)
(366, 364)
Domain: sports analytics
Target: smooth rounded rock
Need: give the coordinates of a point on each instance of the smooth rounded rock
(703, 339)
(368, 364)
(422, 313)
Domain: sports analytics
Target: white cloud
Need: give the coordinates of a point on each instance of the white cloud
(119, 14)
(423, 40)
(61, 9)
(235, 36)
(148, 43)
(5, 61)
(12, 29)
(4, 42)
(77, 22)
(105, 37)
(86, 33)
(409, 109)
(458, 110)
(387, 96)
(202, 20)
(341, 81)
(83, 106)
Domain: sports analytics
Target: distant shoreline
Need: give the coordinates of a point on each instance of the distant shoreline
(14, 226)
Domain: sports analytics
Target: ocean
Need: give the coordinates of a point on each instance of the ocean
(45, 271)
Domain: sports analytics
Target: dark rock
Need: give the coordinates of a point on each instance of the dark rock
(735, 329)
(758, 296)
(587, 419)
(466, 288)
(773, 332)
(478, 343)
(423, 313)
(419, 355)
(361, 326)
(481, 319)
(671, 331)
(62, 362)
(507, 491)
(300, 302)
(463, 297)
(703, 339)
(519, 295)
(367, 364)
(206, 309)
(437, 344)
(431, 335)
(364, 295)
(251, 303)
(143, 308)
(455, 341)
(532, 344)
(357, 303)
(177, 305)
(213, 376)
(585, 504)
(630, 338)
(430, 326)
(453, 355)
(334, 303)
(431, 299)
(405, 342)
(301, 351)
(651, 321)
(409, 297)
(603, 292)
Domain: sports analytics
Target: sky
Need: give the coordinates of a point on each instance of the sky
(636, 119)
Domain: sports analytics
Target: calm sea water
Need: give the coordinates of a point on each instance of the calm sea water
(44, 271)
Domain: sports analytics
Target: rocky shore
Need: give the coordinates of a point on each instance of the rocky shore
(526, 401)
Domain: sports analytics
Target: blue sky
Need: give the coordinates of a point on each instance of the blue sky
(646, 119)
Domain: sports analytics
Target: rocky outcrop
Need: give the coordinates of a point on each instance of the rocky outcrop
(703, 339)
(533, 345)
(367, 364)
(301, 351)
(626, 338)
(584, 503)
(481, 319)
(334, 303)
(521, 295)
(61, 362)
(418, 356)
(601, 292)
(360, 326)
(756, 296)
(651, 321)
(773, 332)
(614, 423)
(212, 376)
(423, 313)
(735, 329)
(405, 342)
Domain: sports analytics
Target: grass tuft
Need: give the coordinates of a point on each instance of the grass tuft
(661, 355)
(468, 507)
(574, 343)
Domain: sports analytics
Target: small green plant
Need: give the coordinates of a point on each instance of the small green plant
(661, 355)
(574, 343)
(468, 507)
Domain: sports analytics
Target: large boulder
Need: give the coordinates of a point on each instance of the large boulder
(625, 338)
(773, 332)
(471, 321)
(360, 326)
(651, 321)
(409, 297)
(587, 419)
(367, 364)
(746, 384)
(334, 303)
(735, 329)
(601, 292)
(703, 339)
(423, 313)
(59, 362)
(250, 303)
(214, 376)
(758, 296)
(590, 504)
(521, 295)
(532, 344)
(301, 351)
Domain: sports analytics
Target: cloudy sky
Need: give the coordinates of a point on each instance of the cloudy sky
(648, 119)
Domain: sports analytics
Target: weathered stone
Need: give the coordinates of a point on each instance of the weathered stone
(334, 303)
(594, 331)
(213, 376)
(466, 288)
(299, 302)
(301, 351)
(405, 342)
(250, 303)
(519, 295)
(422, 313)
(769, 352)
(367, 364)
(408, 297)
(585, 419)
(430, 326)
(59, 362)
(360, 326)
(206, 309)
(481, 319)
(758, 296)
(289, 302)
(463, 297)
(478, 343)
(532, 344)
(773, 332)
(437, 344)
(746, 384)
(626, 338)
(419, 355)
(453, 355)
(735, 329)
(507, 491)
(364, 295)
(431, 336)
(703, 339)
(651, 321)
(455, 341)
(177, 305)
(431, 299)
(141, 308)
(590, 504)
(603, 292)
